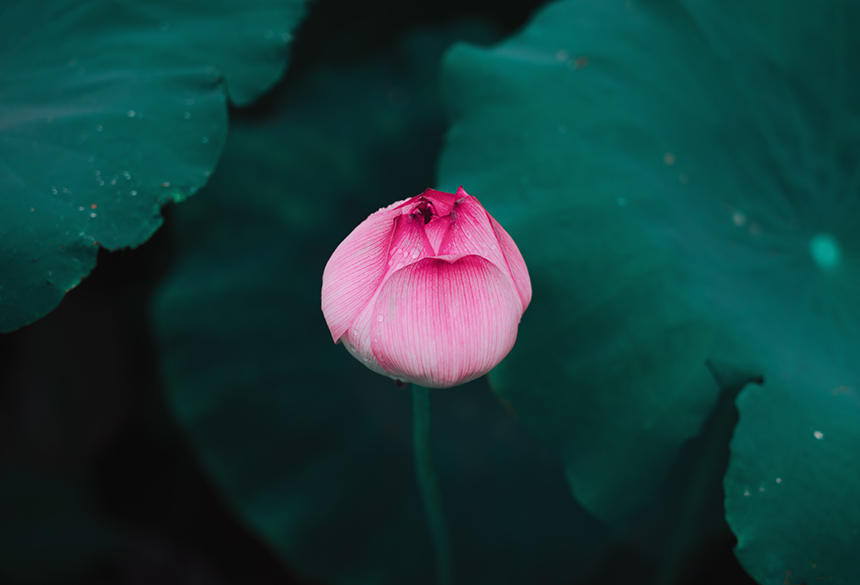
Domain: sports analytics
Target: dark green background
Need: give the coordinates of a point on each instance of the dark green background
(99, 484)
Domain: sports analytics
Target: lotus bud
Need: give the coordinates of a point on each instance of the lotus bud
(428, 290)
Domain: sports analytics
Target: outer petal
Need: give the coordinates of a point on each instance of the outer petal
(440, 324)
(515, 262)
(408, 245)
(355, 270)
(357, 338)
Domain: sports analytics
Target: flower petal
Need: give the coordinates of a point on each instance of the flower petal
(440, 324)
(355, 270)
(442, 202)
(364, 354)
(471, 234)
(357, 338)
(436, 231)
(515, 262)
(409, 244)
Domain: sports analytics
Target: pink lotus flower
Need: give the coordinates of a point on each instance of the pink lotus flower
(428, 290)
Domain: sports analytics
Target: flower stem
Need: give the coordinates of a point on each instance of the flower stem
(428, 484)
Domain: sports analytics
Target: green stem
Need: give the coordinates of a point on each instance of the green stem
(428, 484)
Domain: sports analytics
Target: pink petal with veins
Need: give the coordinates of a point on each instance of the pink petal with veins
(515, 262)
(408, 245)
(436, 231)
(471, 233)
(355, 270)
(441, 201)
(409, 242)
(439, 324)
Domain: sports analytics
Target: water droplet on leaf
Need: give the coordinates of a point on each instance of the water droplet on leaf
(825, 250)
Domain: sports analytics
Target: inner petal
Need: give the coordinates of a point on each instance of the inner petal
(436, 231)
(409, 244)
(442, 202)
(471, 233)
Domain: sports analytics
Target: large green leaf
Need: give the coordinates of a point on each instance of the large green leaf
(793, 483)
(562, 132)
(313, 449)
(682, 179)
(108, 110)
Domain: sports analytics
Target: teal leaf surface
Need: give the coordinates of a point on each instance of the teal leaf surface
(313, 449)
(793, 481)
(108, 110)
(682, 179)
(568, 153)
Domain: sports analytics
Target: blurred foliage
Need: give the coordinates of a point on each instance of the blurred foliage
(314, 449)
(682, 179)
(98, 485)
(108, 110)
(49, 527)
